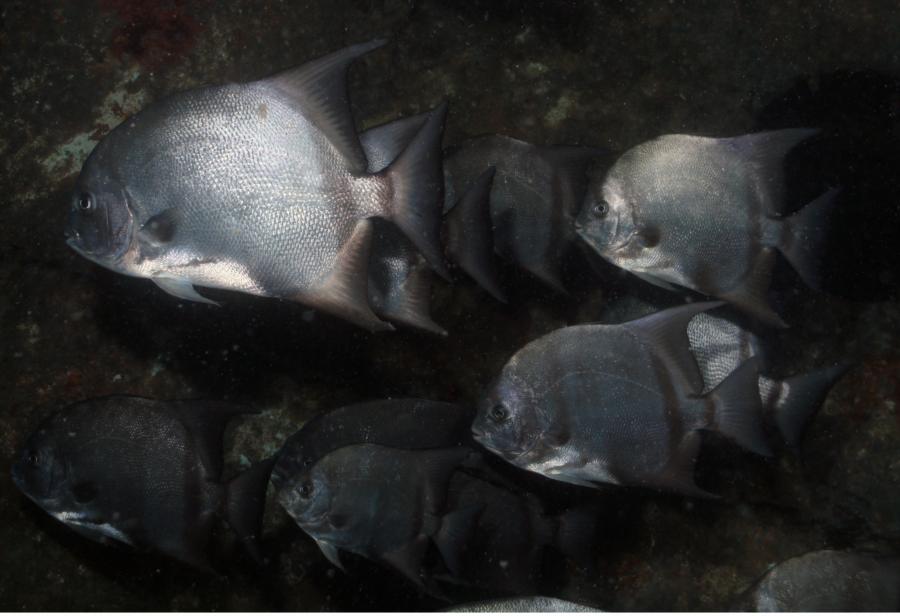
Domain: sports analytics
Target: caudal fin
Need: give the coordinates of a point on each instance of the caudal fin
(738, 408)
(245, 502)
(469, 235)
(797, 399)
(806, 233)
(417, 180)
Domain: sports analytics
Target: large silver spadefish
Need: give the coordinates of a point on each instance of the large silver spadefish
(261, 188)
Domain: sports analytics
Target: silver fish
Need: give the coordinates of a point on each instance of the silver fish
(827, 581)
(260, 188)
(523, 604)
(536, 193)
(720, 346)
(619, 404)
(701, 213)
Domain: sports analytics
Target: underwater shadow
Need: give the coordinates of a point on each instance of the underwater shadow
(858, 150)
(236, 350)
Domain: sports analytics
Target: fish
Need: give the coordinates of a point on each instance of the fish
(399, 275)
(617, 404)
(262, 188)
(535, 196)
(720, 346)
(143, 473)
(400, 423)
(704, 214)
(523, 604)
(385, 504)
(827, 581)
(514, 537)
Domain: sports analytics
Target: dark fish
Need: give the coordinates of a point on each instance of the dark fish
(721, 346)
(402, 423)
(523, 604)
(399, 276)
(701, 213)
(827, 581)
(261, 188)
(513, 537)
(143, 473)
(536, 193)
(617, 404)
(385, 504)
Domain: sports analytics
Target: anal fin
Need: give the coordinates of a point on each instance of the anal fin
(345, 292)
(679, 474)
(750, 294)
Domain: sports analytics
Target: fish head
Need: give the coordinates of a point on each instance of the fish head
(65, 478)
(45, 473)
(40, 472)
(308, 500)
(101, 220)
(606, 220)
(509, 421)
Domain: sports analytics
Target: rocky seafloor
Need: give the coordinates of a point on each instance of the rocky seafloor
(609, 74)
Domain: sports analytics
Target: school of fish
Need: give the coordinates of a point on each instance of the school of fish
(267, 188)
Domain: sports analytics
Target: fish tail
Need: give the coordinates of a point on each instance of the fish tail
(417, 179)
(799, 398)
(805, 236)
(577, 534)
(737, 408)
(469, 236)
(245, 502)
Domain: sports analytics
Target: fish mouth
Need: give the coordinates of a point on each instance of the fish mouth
(316, 521)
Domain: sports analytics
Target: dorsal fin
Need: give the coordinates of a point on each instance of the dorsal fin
(666, 332)
(765, 153)
(384, 143)
(469, 234)
(319, 89)
(205, 421)
(345, 292)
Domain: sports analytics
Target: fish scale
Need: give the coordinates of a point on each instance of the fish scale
(260, 188)
(702, 213)
(619, 404)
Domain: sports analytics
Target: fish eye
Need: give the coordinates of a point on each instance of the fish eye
(33, 458)
(600, 209)
(85, 202)
(498, 413)
(305, 490)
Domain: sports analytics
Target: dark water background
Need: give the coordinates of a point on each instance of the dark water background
(610, 74)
